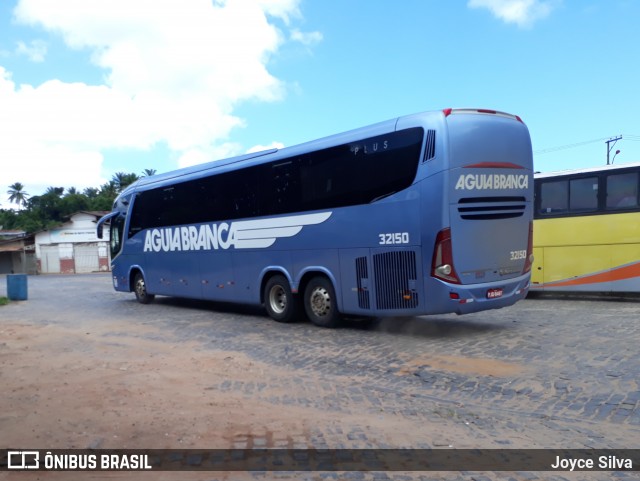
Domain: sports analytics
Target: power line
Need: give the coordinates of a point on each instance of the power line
(630, 137)
(568, 146)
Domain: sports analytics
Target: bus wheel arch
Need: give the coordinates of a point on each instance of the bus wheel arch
(138, 285)
(278, 298)
(320, 300)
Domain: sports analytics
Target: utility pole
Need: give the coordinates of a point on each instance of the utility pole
(609, 147)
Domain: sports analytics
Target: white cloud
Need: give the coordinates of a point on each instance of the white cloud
(306, 38)
(174, 72)
(41, 140)
(200, 155)
(259, 148)
(35, 51)
(523, 13)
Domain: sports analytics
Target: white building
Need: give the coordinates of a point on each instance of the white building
(73, 247)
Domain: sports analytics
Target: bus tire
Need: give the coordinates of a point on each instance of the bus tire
(140, 289)
(320, 302)
(279, 301)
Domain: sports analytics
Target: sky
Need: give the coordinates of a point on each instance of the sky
(89, 88)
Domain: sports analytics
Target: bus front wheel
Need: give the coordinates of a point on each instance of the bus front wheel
(140, 290)
(320, 302)
(279, 301)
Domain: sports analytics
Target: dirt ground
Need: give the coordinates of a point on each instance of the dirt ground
(69, 389)
(100, 374)
(135, 392)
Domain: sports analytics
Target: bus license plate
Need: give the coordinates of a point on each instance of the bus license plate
(494, 293)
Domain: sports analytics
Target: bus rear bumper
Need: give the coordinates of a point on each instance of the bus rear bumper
(465, 299)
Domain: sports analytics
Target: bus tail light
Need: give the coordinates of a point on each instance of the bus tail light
(442, 263)
(449, 111)
(529, 260)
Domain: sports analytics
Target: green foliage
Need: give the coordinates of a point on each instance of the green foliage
(3, 301)
(17, 195)
(40, 212)
(122, 180)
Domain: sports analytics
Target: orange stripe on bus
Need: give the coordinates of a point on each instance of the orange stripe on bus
(617, 274)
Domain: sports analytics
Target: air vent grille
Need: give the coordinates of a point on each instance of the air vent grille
(395, 277)
(430, 148)
(362, 273)
(488, 208)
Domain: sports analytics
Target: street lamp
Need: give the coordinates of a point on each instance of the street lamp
(614, 155)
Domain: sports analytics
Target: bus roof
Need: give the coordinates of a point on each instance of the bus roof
(590, 170)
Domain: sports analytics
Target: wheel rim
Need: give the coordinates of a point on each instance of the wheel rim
(320, 302)
(141, 290)
(278, 299)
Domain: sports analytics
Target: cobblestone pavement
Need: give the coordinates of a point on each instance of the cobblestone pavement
(546, 373)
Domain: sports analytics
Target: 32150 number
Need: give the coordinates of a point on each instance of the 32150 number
(392, 238)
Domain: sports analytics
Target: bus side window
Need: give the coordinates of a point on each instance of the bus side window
(583, 194)
(622, 191)
(280, 187)
(554, 197)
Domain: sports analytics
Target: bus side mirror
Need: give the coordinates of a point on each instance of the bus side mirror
(99, 231)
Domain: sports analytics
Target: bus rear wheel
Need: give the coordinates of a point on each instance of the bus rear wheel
(140, 289)
(320, 302)
(279, 301)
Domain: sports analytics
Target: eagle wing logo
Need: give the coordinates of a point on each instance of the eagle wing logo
(258, 234)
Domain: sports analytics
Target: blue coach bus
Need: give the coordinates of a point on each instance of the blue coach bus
(423, 214)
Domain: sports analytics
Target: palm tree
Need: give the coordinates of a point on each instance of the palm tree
(57, 191)
(17, 195)
(121, 180)
(90, 192)
(109, 190)
(148, 172)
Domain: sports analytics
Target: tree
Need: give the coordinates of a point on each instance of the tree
(51, 208)
(148, 172)
(8, 219)
(17, 195)
(90, 192)
(55, 191)
(122, 180)
(46, 209)
(72, 203)
(103, 200)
